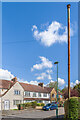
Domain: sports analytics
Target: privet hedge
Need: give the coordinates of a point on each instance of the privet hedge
(72, 107)
(30, 104)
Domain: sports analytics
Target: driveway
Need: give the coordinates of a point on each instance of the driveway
(33, 114)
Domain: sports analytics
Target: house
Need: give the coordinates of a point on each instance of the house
(14, 92)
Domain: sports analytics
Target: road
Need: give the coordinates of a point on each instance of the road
(33, 114)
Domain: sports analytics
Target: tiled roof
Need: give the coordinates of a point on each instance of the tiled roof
(48, 89)
(6, 84)
(35, 88)
(46, 99)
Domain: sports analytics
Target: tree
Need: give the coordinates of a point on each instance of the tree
(77, 87)
(53, 85)
(73, 92)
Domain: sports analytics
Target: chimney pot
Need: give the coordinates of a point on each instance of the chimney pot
(14, 79)
(40, 84)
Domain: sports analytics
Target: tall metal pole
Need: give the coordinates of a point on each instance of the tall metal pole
(68, 10)
(57, 90)
(57, 93)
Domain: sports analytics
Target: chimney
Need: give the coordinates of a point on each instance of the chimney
(14, 79)
(40, 84)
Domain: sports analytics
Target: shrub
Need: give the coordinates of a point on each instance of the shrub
(28, 104)
(38, 104)
(42, 104)
(79, 108)
(71, 107)
(34, 104)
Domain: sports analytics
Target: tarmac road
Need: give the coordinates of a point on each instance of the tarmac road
(34, 115)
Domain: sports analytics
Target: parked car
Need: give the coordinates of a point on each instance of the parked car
(50, 106)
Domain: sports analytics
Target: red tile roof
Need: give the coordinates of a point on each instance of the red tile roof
(6, 84)
(35, 88)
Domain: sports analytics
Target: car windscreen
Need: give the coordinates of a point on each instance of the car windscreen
(48, 104)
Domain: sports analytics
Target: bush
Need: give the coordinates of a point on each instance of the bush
(79, 108)
(38, 104)
(28, 104)
(71, 107)
(34, 104)
(42, 104)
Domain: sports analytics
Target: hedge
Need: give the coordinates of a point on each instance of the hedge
(30, 104)
(72, 107)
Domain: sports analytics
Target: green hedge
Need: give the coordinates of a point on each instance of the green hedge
(71, 107)
(34, 104)
(30, 104)
(38, 104)
(42, 104)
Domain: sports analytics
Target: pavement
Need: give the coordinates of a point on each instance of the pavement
(33, 114)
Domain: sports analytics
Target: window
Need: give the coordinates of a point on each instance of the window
(44, 94)
(15, 102)
(26, 93)
(34, 94)
(39, 94)
(53, 95)
(16, 92)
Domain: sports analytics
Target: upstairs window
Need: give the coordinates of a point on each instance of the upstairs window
(39, 94)
(27, 94)
(34, 94)
(44, 94)
(16, 92)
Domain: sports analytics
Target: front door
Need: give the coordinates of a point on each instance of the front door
(6, 104)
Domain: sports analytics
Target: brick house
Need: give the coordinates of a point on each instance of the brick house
(14, 92)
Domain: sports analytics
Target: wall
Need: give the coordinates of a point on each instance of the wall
(31, 95)
(53, 92)
(10, 95)
(2, 91)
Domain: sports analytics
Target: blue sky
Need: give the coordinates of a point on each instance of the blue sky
(22, 49)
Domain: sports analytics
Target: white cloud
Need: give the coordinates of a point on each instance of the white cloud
(49, 77)
(44, 64)
(52, 34)
(74, 83)
(49, 71)
(33, 82)
(61, 82)
(34, 27)
(77, 81)
(42, 76)
(5, 74)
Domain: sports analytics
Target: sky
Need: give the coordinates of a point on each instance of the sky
(34, 36)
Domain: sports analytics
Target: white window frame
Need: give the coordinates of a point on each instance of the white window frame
(44, 94)
(35, 94)
(17, 92)
(39, 95)
(15, 102)
(27, 93)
